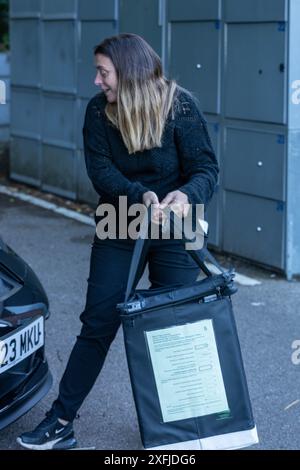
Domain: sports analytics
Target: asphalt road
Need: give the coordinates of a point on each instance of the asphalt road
(267, 315)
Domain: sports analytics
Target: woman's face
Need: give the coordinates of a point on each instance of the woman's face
(106, 77)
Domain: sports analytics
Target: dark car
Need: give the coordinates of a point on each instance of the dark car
(24, 374)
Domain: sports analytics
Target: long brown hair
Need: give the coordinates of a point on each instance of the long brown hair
(144, 95)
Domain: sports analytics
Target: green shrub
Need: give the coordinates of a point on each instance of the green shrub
(4, 24)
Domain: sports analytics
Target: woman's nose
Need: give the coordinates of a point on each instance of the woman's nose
(98, 80)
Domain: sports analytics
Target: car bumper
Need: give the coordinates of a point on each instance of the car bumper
(37, 387)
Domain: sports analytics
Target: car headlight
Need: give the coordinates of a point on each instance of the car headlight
(5, 287)
(8, 286)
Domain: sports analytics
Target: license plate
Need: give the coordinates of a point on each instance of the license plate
(17, 346)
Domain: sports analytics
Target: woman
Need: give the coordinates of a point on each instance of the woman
(144, 138)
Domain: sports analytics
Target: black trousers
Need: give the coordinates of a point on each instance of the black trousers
(169, 263)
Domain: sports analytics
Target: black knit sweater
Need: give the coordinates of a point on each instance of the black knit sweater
(186, 160)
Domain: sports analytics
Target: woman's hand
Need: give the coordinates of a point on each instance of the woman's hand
(178, 202)
(150, 197)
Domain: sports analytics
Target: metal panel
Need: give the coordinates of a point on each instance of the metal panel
(59, 120)
(194, 10)
(293, 165)
(293, 204)
(57, 7)
(4, 133)
(24, 6)
(59, 171)
(255, 10)
(212, 217)
(255, 162)
(4, 64)
(25, 59)
(26, 116)
(92, 33)
(294, 66)
(97, 10)
(4, 115)
(144, 22)
(195, 65)
(255, 74)
(254, 228)
(85, 190)
(59, 56)
(25, 157)
(212, 214)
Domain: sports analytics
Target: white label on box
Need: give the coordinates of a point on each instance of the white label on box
(187, 371)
